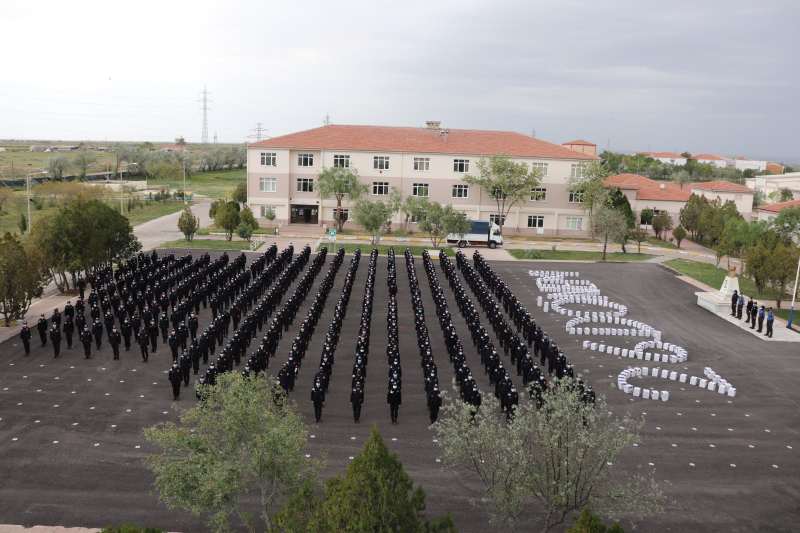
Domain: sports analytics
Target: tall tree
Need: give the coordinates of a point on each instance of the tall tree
(787, 223)
(781, 267)
(590, 185)
(340, 182)
(188, 224)
(662, 223)
(610, 224)
(439, 221)
(57, 165)
(691, 212)
(23, 274)
(239, 193)
(547, 464)
(681, 177)
(371, 216)
(246, 216)
(180, 141)
(238, 440)
(619, 202)
(82, 160)
(227, 218)
(505, 182)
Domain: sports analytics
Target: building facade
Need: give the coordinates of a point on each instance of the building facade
(584, 147)
(428, 162)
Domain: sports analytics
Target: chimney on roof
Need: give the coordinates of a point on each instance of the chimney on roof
(433, 124)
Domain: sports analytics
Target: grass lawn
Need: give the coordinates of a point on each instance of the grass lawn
(207, 244)
(210, 184)
(569, 255)
(154, 210)
(208, 230)
(658, 243)
(383, 249)
(713, 276)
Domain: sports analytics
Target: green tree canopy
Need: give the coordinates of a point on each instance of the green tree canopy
(610, 224)
(23, 274)
(188, 224)
(439, 221)
(787, 223)
(339, 182)
(227, 218)
(619, 202)
(82, 160)
(246, 216)
(371, 216)
(243, 437)
(662, 223)
(590, 184)
(57, 165)
(239, 193)
(691, 212)
(681, 177)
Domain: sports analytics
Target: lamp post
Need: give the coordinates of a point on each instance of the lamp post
(794, 293)
(29, 197)
(121, 208)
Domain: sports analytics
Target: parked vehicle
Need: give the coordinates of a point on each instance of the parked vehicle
(482, 233)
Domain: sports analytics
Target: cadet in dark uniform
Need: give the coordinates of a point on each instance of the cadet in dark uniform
(69, 329)
(152, 331)
(42, 328)
(394, 400)
(734, 301)
(434, 403)
(318, 399)
(55, 337)
(770, 320)
(97, 330)
(512, 401)
(25, 336)
(143, 341)
(175, 379)
(115, 339)
(200, 389)
(357, 400)
(126, 334)
(86, 340)
(186, 368)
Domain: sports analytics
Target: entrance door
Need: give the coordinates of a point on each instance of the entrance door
(305, 214)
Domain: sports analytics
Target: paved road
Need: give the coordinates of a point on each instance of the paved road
(70, 428)
(164, 229)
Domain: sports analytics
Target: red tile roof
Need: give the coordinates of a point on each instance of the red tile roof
(396, 139)
(722, 186)
(647, 189)
(708, 157)
(580, 142)
(667, 155)
(776, 208)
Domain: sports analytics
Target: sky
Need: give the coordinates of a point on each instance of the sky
(711, 76)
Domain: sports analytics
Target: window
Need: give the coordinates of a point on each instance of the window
(578, 170)
(738, 197)
(341, 161)
(380, 162)
(420, 189)
(535, 221)
(345, 214)
(460, 165)
(543, 166)
(495, 219)
(422, 163)
(539, 194)
(305, 184)
(266, 210)
(305, 160)
(268, 159)
(498, 194)
(575, 223)
(267, 184)
(460, 191)
(380, 188)
(576, 197)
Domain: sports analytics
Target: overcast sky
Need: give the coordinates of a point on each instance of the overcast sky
(715, 76)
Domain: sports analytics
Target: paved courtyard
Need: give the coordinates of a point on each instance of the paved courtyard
(70, 428)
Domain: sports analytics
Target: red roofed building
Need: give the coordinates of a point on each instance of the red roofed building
(425, 162)
(717, 161)
(584, 147)
(776, 168)
(770, 212)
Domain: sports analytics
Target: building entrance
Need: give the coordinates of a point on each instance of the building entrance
(304, 214)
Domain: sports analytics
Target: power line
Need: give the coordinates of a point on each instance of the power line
(327, 119)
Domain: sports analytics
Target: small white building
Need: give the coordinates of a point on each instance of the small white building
(774, 183)
(770, 212)
(705, 159)
(668, 158)
(743, 164)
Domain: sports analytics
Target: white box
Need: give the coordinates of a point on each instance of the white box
(673, 376)
(594, 346)
(628, 388)
(703, 383)
(693, 380)
(637, 391)
(722, 389)
(646, 394)
(712, 385)
(664, 374)
(664, 395)
(625, 352)
(616, 351)
(586, 344)
(648, 356)
(654, 395)
(645, 371)
(732, 392)
(682, 378)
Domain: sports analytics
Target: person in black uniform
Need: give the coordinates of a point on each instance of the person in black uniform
(86, 340)
(41, 326)
(97, 331)
(734, 301)
(55, 338)
(25, 336)
(163, 322)
(394, 400)
(434, 403)
(512, 401)
(126, 334)
(474, 399)
(175, 378)
(357, 401)
(115, 339)
(143, 341)
(201, 389)
(69, 329)
(152, 331)
(186, 368)
(318, 399)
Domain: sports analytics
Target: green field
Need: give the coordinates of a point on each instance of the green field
(210, 184)
(38, 160)
(208, 230)
(713, 276)
(207, 244)
(569, 255)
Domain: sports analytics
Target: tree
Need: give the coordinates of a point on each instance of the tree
(244, 437)
(408, 208)
(590, 184)
(371, 216)
(212, 210)
(165, 171)
(239, 193)
(82, 160)
(244, 231)
(6, 195)
(246, 216)
(505, 182)
(618, 201)
(180, 141)
(785, 195)
(57, 165)
(340, 182)
(787, 223)
(646, 216)
(375, 495)
(439, 221)
(757, 257)
(147, 145)
(662, 223)
(639, 236)
(686, 155)
(394, 204)
(691, 212)
(681, 177)
(227, 218)
(780, 267)
(610, 224)
(188, 223)
(23, 275)
(547, 464)
(680, 234)
(270, 216)
(591, 523)
(22, 224)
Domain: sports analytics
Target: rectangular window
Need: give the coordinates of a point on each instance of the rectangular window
(539, 194)
(460, 191)
(268, 159)
(267, 184)
(341, 161)
(542, 166)
(535, 221)
(576, 197)
(575, 223)
(578, 170)
(266, 210)
(305, 184)
(345, 214)
(499, 194)
(420, 189)
(305, 160)
(422, 164)
(495, 219)
(380, 188)
(380, 162)
(460, 165)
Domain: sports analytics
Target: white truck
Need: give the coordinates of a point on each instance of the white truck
(482, 233)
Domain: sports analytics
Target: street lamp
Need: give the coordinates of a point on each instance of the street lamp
(29, 197)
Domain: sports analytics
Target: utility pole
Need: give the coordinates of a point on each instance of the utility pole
(533, 133)
(259, 132)
(29, 197)
(204, 103)
(327, 120)
(215, 140)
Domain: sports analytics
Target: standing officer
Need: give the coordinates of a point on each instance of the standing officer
(152, 330)
(86, 340)
(186, 368)
(42, 328)
(761, 315)
(55, 337)
(394, 400)
(25, 336)
(143, 341)
(115, 339)
(126, 334)
(512, 401)
(318, 399)
(69, 329)
(175, 379)
(734, 301)
(770, 320)
(434, 403)
(357, 400)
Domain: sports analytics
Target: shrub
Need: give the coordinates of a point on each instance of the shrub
(400, 233)
(245, 231)
(131, 528)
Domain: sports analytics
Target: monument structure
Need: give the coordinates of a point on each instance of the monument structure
(720, 301)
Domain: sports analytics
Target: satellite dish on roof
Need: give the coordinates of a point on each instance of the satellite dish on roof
(662, 185)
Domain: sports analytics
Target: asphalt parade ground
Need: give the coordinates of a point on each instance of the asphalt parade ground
(70, 429)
